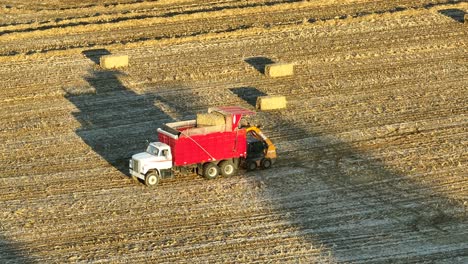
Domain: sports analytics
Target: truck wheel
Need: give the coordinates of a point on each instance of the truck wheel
(227, 168)
(251, 165)
(152, 179)
(266, 163)
(210, 171)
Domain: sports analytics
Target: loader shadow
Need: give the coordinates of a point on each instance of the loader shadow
(357, 207)
(455, 14)
(10, 253)
(248, 94)
(259, 63)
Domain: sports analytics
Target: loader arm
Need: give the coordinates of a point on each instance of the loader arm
(270, 151)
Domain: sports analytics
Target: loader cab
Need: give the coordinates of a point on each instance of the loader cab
(255, 149)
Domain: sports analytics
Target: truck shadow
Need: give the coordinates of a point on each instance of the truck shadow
(11, 253)
(115, 121)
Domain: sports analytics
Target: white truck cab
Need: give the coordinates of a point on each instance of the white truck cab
(156, 160)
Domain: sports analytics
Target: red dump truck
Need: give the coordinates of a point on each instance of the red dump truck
(210, 145)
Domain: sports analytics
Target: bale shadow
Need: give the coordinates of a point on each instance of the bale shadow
(248, 94)
(455, 14)
(96, 54)
(259, 63)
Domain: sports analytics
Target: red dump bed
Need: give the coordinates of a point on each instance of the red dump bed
(191, 143)
(200, 148)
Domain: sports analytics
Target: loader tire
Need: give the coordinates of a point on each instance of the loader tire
(266, 163)
(251, 165)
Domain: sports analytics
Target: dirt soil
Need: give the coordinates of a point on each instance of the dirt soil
(372, 146)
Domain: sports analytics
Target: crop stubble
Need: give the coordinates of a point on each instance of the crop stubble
(372, 146)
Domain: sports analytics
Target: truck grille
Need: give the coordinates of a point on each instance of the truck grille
(136, 165)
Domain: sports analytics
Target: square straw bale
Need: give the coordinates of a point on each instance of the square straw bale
(211, 119)
(271, 102)
(279, 69)
(113, 61)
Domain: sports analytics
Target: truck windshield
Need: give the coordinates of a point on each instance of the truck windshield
(152, 150)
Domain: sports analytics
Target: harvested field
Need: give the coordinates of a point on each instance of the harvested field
(372, 147)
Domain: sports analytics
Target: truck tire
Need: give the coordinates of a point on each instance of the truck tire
(210, 171)
(251, 165)
(266, 163)
(227, 168)
(152, 179)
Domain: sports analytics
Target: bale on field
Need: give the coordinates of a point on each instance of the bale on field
(279, 69)
(465, 18)
(211, 119)
(113, 61)
(271, 102)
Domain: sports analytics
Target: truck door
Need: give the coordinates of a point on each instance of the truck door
(164, 159)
